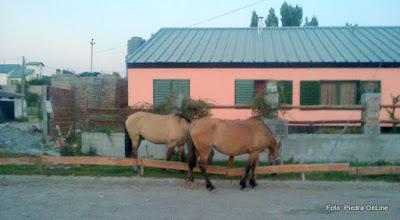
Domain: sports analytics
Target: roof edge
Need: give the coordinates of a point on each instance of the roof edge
(267, 65)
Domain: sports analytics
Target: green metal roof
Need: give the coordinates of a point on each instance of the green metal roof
(284, 46)
(18, 73)
(6, 68)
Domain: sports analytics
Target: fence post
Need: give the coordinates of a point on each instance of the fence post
(370, 114)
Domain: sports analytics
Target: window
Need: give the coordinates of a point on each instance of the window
(246, 91)
(335, 92)
(338, 93)
(163, 88)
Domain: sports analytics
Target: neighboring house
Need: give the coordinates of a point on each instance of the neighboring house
(37, 68)
(5, 69)
(11, 74)
(229, 66)
(15, 76)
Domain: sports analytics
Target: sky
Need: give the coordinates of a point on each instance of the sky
(58, 32)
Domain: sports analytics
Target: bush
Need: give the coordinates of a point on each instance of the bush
(32, 99)
(191, 108)
(68, 151)
(21, 119)
(45, 80)
(195, 109)
(260, 108)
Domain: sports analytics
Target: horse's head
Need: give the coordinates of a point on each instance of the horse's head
(274, 153)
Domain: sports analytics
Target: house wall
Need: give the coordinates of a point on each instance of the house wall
(13, 81)
(37, 70)
(217, 85)
(3, 78)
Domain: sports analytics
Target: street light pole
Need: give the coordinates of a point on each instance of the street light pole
(91, 54)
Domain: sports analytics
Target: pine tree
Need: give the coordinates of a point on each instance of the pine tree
(291, 16)
(272, 20)
(254, 19)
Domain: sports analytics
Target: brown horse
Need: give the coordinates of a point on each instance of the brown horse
(158, 129)
(233, 138)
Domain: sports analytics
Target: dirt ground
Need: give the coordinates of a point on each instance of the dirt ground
(55, 197)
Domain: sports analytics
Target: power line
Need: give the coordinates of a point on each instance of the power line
(110, 49)
(226, 13)
(197, 23)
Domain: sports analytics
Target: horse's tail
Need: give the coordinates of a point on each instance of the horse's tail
(191, 149)
(128, 144)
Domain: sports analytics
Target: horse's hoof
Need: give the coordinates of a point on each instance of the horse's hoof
(243, 184)
(253, 183)
(210, 187)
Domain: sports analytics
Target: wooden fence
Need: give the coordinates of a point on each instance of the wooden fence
(292, 168)
(116, 117)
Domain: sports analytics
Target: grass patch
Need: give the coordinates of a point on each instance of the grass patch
(95, 170)
(8, 154)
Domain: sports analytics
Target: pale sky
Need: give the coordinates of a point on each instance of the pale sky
(58, 32)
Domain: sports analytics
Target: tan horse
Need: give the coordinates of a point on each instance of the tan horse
(158, 129)
(231, 138)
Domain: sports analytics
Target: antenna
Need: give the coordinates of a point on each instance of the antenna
(92, 43)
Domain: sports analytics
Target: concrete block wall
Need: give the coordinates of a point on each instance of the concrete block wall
(298, 147)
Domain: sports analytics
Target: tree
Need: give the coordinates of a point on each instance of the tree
(313, 22)
(291, 16)
(116, 74)
(254, 19)
(272, 20)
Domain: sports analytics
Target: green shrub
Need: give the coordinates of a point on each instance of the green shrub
(195, 109)
(32, 99)
(21, 119)
(68, 151)
(45, 80)
(191, 108)
(260, 108)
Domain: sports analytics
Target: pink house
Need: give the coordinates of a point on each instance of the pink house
(318, 66)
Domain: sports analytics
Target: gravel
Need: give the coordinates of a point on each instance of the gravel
(16, 137)
(55, 197)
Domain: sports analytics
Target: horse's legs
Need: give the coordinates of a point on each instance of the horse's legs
(135, 145)
(252, 181)
(230, 162)
(253, 157)
(170, 151)
(203, 167)
(181, 152)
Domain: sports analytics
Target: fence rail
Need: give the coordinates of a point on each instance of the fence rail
(221, 170)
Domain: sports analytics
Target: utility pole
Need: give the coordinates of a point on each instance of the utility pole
(91, 54)
(23, 86)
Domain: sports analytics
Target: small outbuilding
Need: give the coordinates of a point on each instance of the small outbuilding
(11, 105)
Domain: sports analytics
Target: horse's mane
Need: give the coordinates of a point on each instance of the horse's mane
(180, 115)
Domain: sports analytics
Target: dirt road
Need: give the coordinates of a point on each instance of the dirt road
(41, 197)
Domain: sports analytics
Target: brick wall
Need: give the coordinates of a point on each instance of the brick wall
(103, 92)
(63, 109)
